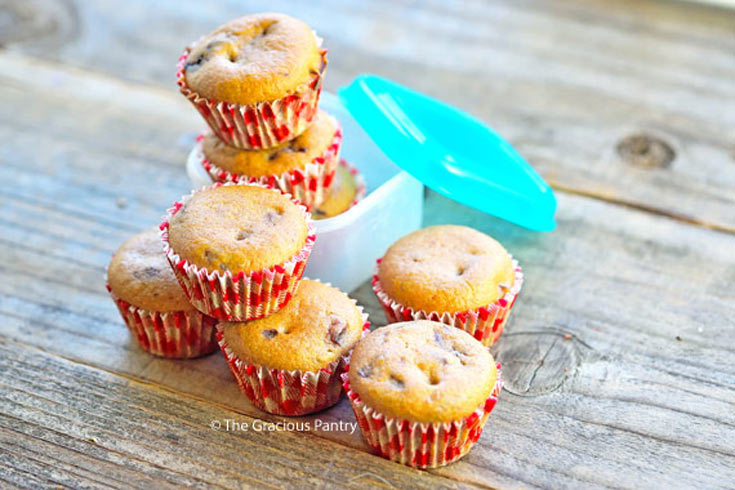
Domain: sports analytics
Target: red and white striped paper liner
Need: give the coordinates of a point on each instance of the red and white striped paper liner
(261, 125)
(173, 334)
(309, 185)
(359, 182)
(283, 392)
(360, 190)
(485, 323)
(420, 444)
(239, 296)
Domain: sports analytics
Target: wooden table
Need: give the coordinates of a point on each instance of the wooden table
(619, 357)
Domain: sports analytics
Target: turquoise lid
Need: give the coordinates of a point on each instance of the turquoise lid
(450, 151)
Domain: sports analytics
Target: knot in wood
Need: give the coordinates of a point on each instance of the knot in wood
(645, 150)
(536, 363)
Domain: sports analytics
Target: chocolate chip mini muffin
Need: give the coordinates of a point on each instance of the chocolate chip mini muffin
(422, 391)
(452, 274)
(238, 249)
(256, 80)
(290, 362)
(303, 167)
(347, 189)
(152, 303)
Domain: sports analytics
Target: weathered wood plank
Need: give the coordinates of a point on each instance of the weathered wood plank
(71, 425)
(567, 82)
(633, 399)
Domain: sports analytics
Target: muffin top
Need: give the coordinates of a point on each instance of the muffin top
(140, 274)
(294, 154)
(446, 268)
(340, 196)
(422, 371)
(237, 228)
(255, 58)
(319, 325)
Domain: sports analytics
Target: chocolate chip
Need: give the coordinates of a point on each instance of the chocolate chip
(288, 148)
(440, 340)
(365, 371)
(196, 63)
(442, 343)
(461, 270)
(269, 334)
(398, 382)
(337, 329)
(244, 235)
(147, 273)
(271, 217)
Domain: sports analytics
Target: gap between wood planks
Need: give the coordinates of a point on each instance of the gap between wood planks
(556, 185)
(683, 218)
(133, 380)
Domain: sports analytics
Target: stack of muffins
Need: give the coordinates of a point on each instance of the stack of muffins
(230, 271)
(256, 81)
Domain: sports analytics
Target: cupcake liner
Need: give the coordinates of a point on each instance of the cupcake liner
(360, 191)
(420, 444)
(485, 323)
(359, 182)
(283, 392)
(308, 185)
(261, 125)
(173, 334)
(240, 296)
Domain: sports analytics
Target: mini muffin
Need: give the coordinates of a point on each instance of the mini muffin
(303, 167)
(346, 190)
(256, 80)
(290, 362)
(422, 391)
(453, 274)
(152, 303)
(238, 249)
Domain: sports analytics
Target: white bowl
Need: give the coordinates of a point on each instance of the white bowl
(348, 245)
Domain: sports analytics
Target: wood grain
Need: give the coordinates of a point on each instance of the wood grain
(566, 82)
(619, 358)
(607, 296)
(74, 426)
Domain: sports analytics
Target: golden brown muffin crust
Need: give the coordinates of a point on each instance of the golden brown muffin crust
(239, 228)
(422, 371)
(255, 58)
(446, 268)
(140, 274)
(319, 325)
(341, 194)
(294, 154)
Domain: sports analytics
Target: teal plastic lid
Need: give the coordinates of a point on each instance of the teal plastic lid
(450, 151)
